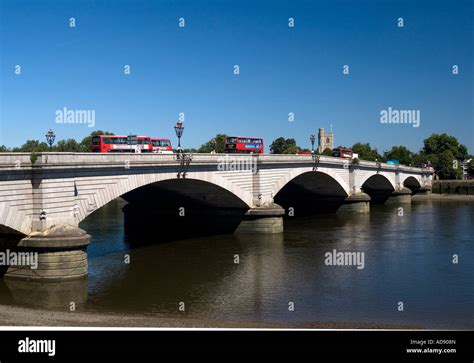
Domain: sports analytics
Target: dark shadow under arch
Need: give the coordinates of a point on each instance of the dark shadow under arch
(413, 184)
(312, 192)
(178, 208)
(378, 187)
(9, 239)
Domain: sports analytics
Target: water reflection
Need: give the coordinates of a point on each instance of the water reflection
(408, 257)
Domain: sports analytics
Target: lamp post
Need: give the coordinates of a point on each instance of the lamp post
(213, 143)
(179, 128)
(50, 136)
(312, 138)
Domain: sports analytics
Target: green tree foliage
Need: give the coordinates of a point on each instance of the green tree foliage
(366, 152)
(279, 145)
(438, 143)
(400, 153)
(68, 145)
(418, 159)
(327, 152)
(445, 154)
(32, 146)
(291, 149)
(4, 149)
(445, 164)
(209, 147)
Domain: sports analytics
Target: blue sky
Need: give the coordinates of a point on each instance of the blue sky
(282, 69)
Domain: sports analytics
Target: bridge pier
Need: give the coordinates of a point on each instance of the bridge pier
(59, 253)
(401, 196)
(267, 219)
(357, 203)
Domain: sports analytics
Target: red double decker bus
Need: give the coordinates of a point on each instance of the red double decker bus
(161, 146)
(109, 143)
(243, 144)
(144, 144)
(343, 153)
(127, 144)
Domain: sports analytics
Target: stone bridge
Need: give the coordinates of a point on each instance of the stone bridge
(45, 196)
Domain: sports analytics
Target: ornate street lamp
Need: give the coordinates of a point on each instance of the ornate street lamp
(213, 143)
(312, 139)
(50, 136)
(179, 128)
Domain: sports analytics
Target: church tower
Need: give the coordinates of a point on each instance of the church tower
(325, 140)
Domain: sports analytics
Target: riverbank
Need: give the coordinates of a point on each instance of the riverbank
(20, 316)
(459, 187)
(443, 197)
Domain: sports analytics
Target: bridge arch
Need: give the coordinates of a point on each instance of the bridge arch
(379, 181)
(297, 172)
(309, 191)
(13, 220)
(123, 186)
(411, 183)
(379, 187)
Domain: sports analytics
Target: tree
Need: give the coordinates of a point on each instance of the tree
(278, 146)
(85, 144)
(292, 149)
(32, 146)
(445, 165)
(418, 159)
(4, 149)
(209, 146)
(70, 145)
(400, 153)
(438, 143)
(327, 152)
(445, 154)
(366, 152)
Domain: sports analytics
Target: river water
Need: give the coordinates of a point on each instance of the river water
(408, 258)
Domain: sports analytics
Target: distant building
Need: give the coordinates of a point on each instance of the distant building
(325, 140)
(465, 168)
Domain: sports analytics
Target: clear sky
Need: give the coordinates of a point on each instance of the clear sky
(282, 69)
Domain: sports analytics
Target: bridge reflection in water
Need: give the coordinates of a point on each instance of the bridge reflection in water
(44, 294)
(407, 252)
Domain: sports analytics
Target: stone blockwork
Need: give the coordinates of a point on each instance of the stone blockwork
(64, 188)
(262, 220)
(45, 198)
(59, 253)
(357, 203)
